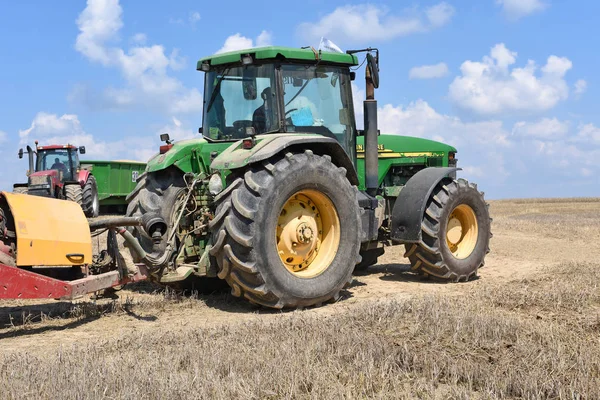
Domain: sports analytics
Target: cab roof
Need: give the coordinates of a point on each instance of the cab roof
(280, 53)
(56, 146)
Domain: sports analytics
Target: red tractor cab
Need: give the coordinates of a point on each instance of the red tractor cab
(57, 173)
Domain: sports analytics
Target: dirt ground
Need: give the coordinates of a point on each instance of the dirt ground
(530, 237)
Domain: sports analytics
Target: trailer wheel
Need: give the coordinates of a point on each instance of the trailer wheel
(90, 202)
(455, 233)
(73, 193)
(286, 233)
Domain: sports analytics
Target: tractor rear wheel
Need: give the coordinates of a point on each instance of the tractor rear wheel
(286, 232)
(74, 193)
(455, 233)
(90, 203)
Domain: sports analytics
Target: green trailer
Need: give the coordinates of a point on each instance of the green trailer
(115, 180)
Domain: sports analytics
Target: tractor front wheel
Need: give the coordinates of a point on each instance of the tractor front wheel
(74, 193)
(455, 233)
(286, 232)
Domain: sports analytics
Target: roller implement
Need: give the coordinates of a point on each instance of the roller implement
(282, 197)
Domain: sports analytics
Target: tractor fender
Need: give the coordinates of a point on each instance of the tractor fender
(412, 201)
(267, 146)
(83, 176)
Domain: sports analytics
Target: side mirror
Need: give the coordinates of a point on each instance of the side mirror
(164, 137)
(81, 149)
(352, 75)
(200, 131)
(21, 153)
(373, 65)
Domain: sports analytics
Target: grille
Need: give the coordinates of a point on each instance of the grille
(38, 180)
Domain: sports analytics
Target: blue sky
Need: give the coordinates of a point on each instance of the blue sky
(513, 84)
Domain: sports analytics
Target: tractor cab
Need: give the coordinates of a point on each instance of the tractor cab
(64, 159)
(258, 93)
(55, 167)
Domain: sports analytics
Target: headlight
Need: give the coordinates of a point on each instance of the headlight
(215, 184)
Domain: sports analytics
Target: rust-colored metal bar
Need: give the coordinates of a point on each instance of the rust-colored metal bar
(17, 283)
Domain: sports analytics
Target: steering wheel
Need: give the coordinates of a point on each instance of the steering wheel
(290, 110)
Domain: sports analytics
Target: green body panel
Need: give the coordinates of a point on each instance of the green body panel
(402, 151)
(235, 156)
(191, 155)
(115, 179)
(274, 52)
(194, 155)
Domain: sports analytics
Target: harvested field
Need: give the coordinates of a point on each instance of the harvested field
(529, 327)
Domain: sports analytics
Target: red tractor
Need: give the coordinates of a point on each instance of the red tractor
(57, 173)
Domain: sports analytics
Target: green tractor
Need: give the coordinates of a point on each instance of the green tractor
(283, 197)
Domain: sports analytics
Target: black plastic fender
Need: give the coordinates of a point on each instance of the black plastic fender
(412, 201)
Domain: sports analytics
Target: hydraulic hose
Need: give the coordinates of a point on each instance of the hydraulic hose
(115, 222)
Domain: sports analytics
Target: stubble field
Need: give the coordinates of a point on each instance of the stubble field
(529, 327)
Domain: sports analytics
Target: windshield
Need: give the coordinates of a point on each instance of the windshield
(318, 99)
(237, 98)
(246, 100)
(57, 159)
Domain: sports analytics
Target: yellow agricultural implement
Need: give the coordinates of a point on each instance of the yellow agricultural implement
(46, 249)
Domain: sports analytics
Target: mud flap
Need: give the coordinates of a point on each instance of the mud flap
(412, 202)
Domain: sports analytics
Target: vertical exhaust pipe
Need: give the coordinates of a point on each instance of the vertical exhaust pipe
(30, 154)
(371, 131)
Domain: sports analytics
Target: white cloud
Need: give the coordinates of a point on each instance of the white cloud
(53, 129)
(264, 39)
(588, 134)
(440, 14)
(515, 9)
(194, 17)
(239, 42)
(139, 38)
(429, 71)
(145, 68)
(491, 87)
(545, 128)
(580, 87)
(368, 23)
(2, 136)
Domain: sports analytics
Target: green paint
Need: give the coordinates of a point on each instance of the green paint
(193, 155)
(274, 52)
(115, 179)
(404, 146)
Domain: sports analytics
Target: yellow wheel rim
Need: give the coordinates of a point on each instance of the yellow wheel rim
(461, 231)
(308, 233)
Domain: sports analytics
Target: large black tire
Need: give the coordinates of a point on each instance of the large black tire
(156, 192)
(74, 193)
(90, 202)
(433, 256)
(245, 225)
(20, 189)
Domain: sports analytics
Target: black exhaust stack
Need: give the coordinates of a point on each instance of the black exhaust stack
(30, 154)
(371, 130)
